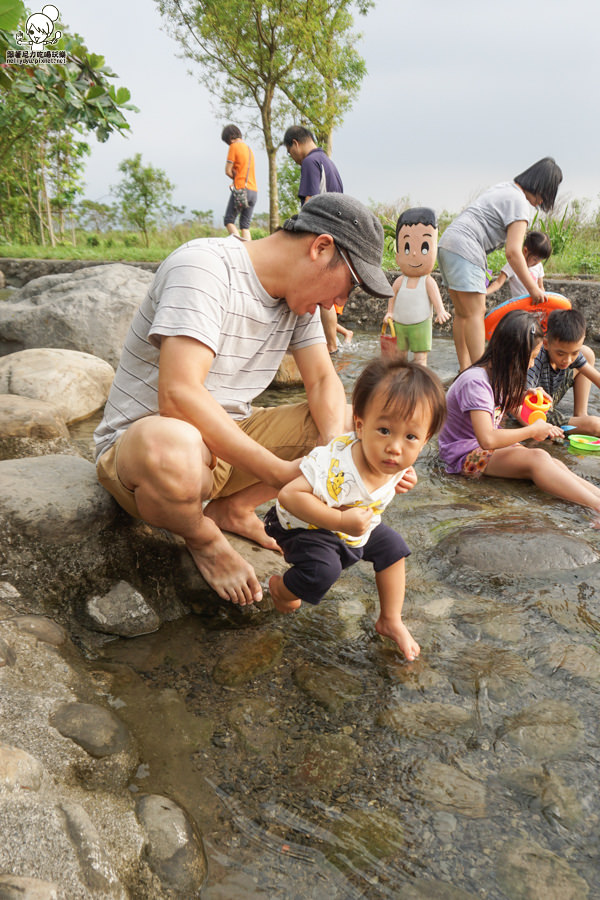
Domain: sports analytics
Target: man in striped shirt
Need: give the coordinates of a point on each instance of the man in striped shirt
(179, 428)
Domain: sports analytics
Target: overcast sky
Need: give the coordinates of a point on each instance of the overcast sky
(459, 95)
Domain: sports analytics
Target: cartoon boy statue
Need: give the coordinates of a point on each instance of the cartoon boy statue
(416, 294)
(39, 28)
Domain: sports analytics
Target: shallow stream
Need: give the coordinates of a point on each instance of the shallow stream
(318, 764)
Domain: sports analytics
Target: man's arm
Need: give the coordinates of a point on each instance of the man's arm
(324, 390)
(183, 367)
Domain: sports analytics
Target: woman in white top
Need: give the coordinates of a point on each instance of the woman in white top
(500, 216)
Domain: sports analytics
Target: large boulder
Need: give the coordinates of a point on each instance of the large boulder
(77, 384)
(89, 310)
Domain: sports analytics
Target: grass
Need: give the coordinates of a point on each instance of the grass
(575, 239)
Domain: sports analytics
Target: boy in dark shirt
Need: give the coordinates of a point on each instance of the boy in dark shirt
(564, 362)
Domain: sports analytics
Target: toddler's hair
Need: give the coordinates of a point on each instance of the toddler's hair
(538, 244)
(230, 133)
(542, 179)
(566, 325)
(406, 385)
(417, 215)
(506, 357)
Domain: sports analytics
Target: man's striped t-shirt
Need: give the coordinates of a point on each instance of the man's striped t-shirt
(207, 290)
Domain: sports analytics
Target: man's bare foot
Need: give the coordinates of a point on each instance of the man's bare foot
(283, 600)
(399, 633)
(223, 568)
(244, 522)
(348, 336)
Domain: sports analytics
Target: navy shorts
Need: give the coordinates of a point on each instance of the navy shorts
(318, 557)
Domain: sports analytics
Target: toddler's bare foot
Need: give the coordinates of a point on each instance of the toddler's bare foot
(398, 632)
(283, 600)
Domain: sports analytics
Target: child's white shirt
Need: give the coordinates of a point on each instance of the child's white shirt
(517, 288)
(331, 472)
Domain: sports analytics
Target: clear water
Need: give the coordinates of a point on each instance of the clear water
(340, 771)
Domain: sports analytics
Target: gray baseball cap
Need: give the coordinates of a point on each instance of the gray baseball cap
(354, 228)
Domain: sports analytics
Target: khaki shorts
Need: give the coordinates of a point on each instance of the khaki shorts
(287, 431)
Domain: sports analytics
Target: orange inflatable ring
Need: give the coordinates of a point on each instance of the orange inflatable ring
(541, 310)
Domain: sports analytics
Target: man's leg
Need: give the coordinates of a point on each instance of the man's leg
(167, 465)
(289, 432)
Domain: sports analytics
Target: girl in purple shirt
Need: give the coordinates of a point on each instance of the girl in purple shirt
(471, 442)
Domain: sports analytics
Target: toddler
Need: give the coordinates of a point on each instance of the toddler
(565, 362)
(330, 516)
(536, 248)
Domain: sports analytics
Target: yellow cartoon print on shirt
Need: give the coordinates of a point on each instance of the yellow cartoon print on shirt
(337, 482)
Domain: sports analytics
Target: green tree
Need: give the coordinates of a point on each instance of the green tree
(144, 194)
(42, 109)
(284, 59)
(95, 216)
(288, 181)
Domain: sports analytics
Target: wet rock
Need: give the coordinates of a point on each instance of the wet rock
(31, 428)
(18, 887)
(330, 686)
(8, 657)
(527, 871)
(174, 848)
(544, 730)
(326, 761)
(256, 723)
(19, 769)
(446, 788)
(438, 607)
(580, 661)
(99, 731)
(88, 310)
(97, 872)
(122, 611)
(8, 592)
(434, 890)
(514, 549)
(56, 498)
(366, 834)
(483, 666)
(421, 720)
(77, 384)
(42, 628)
(251, 656)
(546, 792)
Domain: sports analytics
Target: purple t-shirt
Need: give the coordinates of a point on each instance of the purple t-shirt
(318, 175)
(471, 390)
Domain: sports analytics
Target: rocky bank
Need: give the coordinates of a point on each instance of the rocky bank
(76, 571)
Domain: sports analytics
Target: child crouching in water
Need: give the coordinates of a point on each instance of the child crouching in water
(471, 443)
(330, 516)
